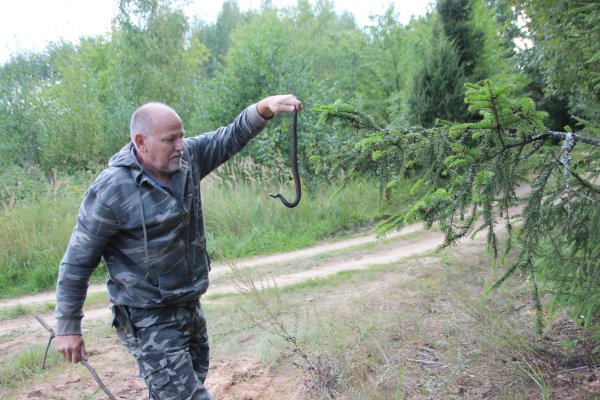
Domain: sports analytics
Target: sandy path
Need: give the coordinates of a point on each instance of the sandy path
(218, 268)
(402, 248)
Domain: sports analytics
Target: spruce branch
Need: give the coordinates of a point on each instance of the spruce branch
(563, 136)
(494, 108)
(465, 178)
(585, 183)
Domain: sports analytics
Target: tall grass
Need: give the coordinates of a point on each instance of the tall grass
(241, 220)
(34, 238)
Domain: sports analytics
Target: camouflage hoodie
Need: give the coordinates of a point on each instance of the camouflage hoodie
(152, 242)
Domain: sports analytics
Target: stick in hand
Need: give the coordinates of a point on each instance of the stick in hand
(83, 360)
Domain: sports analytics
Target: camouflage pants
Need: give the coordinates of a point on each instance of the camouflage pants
(170, 345)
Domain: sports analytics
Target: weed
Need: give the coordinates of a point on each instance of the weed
(268, 314)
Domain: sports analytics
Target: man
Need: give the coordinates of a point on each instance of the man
(143, 215)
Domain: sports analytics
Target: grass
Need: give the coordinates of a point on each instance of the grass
(241, 220)
(420, 329)
(251, 223)
(33, 237)
(25, 365)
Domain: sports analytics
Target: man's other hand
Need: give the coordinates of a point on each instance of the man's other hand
(72, 347)
(272, 105)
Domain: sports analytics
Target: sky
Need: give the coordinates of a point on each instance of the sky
(29, 25)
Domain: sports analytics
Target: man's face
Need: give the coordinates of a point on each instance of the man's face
(164, 146)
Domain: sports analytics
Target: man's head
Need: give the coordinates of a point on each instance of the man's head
(157, 132)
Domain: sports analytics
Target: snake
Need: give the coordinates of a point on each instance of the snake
(294, 160)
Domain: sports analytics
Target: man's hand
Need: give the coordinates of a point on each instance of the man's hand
(272, 105)
(72, 347)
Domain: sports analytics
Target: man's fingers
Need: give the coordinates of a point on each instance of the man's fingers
(273, 105)
(291, 107)
(74, 357)
(72, 347)
(83, 353)
(288, 103)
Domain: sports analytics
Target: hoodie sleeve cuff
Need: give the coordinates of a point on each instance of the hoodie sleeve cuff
(68, 326)
(257, 120)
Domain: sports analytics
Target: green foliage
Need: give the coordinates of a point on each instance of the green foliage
(67, 109)
(464, 44)
(564, 34)
(217, 37)
(20, 81)
(457, 22)
(156, 59)
(383, 79)
(438, 87)
(262, 60)
(468, 177)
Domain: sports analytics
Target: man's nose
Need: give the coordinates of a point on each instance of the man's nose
(179, 144)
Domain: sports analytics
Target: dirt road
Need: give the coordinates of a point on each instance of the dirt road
(284, 269)
(410, 241)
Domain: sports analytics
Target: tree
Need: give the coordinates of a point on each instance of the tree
(438, 87)
(564, 51)
(456, 18)
(217, 37)
(82, 113)
(156, 60)
(262, 60)
(464, 46)
(386, 68)
(466, 177)
(21, 80)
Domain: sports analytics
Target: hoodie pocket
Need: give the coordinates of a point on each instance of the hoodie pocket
(175, 283)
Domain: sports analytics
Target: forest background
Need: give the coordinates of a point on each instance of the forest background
(64, 111)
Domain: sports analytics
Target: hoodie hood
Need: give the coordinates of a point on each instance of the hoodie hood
(124, 157)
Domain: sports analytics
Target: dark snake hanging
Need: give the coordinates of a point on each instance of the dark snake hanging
(294, 158)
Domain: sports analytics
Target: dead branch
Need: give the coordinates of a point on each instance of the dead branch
(83, 361)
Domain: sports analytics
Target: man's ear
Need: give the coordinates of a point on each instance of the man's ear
(140, 142)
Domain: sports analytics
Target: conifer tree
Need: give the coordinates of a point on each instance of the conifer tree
(466, 178)
(438, 86)
(563, 39)
(455, 16)
(451, 57)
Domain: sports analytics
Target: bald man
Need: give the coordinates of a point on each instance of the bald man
(143, 216)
